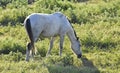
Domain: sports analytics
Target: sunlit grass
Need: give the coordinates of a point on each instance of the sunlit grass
(95, 59)
(95, 22)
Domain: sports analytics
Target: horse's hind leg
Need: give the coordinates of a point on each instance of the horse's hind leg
(51, 45)
(28, 51)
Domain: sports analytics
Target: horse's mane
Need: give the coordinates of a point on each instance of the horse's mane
(73, 29)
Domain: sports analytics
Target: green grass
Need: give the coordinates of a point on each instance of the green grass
(95, 22)
(97, 57)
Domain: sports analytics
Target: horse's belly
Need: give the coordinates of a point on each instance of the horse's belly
(51, 31)
(49, 34)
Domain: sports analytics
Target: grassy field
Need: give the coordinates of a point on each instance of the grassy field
(97, 23)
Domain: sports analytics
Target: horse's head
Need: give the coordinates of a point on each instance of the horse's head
(76, 48)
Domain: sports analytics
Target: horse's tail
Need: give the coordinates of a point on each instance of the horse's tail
(30, 34)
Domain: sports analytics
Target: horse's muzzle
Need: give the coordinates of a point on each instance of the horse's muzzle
(79, 55)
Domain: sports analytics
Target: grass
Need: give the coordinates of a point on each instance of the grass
(95, 22)
(96, 58)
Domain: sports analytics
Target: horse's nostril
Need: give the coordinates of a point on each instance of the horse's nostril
(79, 55)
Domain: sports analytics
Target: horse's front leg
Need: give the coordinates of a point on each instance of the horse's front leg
(61, 44)
(51, 45)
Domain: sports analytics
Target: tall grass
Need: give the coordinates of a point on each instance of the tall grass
(15, 12)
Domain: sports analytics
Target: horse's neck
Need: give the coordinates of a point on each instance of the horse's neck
(71, 36)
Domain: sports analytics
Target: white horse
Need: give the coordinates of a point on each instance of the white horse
(40, 25)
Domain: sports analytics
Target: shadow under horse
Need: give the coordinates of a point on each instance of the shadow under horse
(89, 65)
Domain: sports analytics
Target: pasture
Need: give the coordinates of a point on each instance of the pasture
(97, 23)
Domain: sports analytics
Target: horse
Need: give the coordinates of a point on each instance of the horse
(40, 25)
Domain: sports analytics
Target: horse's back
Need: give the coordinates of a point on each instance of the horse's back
(40, 18)
(49, 24)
